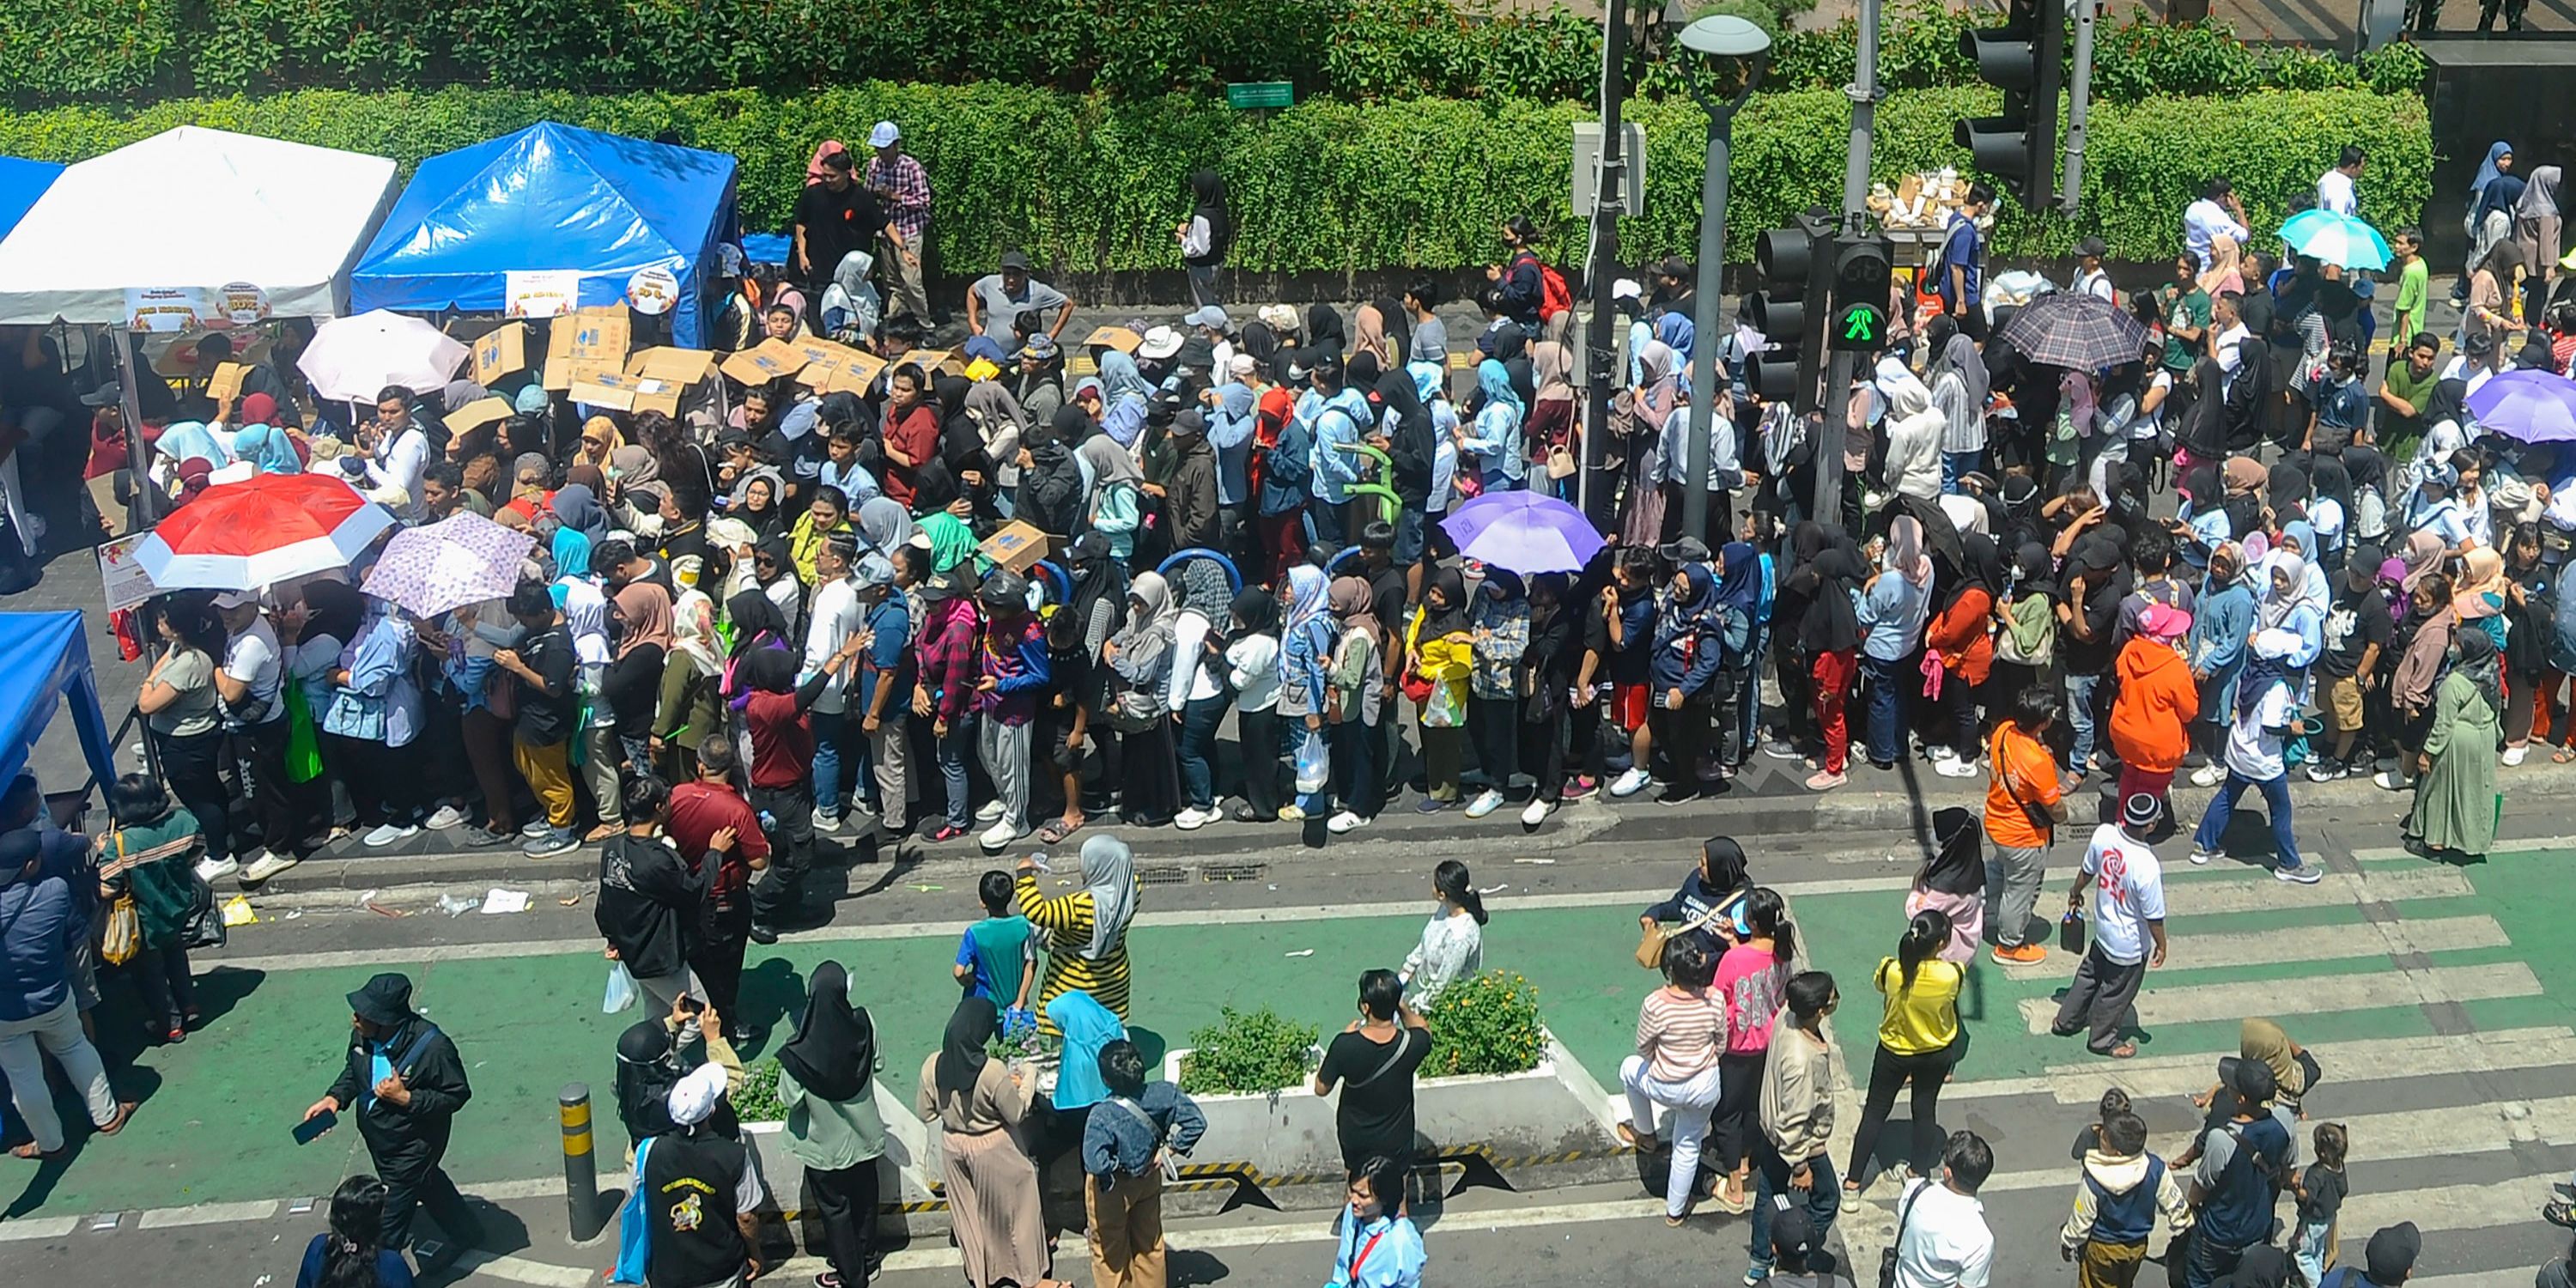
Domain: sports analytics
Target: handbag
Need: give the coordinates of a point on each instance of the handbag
(1650, 944)
(122, 937)
(204, 927)
(2070, 932)
(501, 693)
(1887, 1255)
(1560, 463)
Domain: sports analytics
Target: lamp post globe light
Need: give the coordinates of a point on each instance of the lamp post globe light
(1728, 55)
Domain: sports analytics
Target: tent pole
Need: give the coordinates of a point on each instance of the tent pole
(140, 513)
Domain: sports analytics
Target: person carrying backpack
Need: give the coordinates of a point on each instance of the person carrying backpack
(2244, 1166)
(1529, 297)
(2122, 1189)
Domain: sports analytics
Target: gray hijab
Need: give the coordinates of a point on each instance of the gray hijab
(1109, 462)
(1109, 872)
(884, 524)
(1960, 355)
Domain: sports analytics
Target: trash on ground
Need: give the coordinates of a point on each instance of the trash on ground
(383, 911)
(456, 905)
(1302, 952)
(502, 901)
(237, 912)
(568, 901)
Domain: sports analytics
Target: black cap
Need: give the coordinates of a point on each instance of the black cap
(106, 395)
(1792, 1234)
(2391, 1253)
(1673, 266)
(1686, 550)
(2255, 1084)
(1015, 260)
(385, 999)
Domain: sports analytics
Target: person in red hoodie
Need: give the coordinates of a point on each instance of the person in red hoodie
(1962, 635)
(2157, 703)
(946, 669)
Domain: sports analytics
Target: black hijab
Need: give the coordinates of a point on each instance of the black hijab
(2449, 401)
(752, 612)
(1262, 344)
(333, 608)
(1399, 327)
(1449, 620)
(835, 1050)
(1981, 567)
(1098, 578)
(1207, 194)
(645, 1074)
(2286, 490)
(2034, 571)
(961, 1052)
(1832, 625)
(1325, 332)
(1958, 863)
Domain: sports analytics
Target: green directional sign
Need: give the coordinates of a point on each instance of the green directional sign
(1251, 94)
(1860, 328)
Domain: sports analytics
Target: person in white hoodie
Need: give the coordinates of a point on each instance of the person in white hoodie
(2117, 1198)
(1915, 429)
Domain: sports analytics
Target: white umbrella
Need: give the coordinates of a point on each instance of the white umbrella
(351, 359)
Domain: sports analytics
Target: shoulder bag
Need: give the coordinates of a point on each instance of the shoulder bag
(1887, 1255)
(1650, 944)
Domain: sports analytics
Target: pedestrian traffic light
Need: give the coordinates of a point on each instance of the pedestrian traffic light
(1789, 311)
(1862, 279)
(2025, 59)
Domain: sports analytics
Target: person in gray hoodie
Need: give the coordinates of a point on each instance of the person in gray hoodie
(2121, 1190)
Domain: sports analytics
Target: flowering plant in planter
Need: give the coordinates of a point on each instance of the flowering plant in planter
(1248, 1053)
(757, 1102)
(1485, 1024)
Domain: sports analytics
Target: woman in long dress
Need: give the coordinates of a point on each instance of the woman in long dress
(992, 1187)
(1657, 397)
(2455, 807)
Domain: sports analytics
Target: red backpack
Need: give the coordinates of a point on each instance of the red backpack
(1555, 296)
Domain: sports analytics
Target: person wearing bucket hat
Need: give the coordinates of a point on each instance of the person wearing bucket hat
(1015, 672)
(2128, 887)
(996, 301)
(404, 1082)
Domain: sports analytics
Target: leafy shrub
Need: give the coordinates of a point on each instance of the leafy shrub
(1485, 1024)
(1093, 184)
(1248, 1053)
(757, 1102)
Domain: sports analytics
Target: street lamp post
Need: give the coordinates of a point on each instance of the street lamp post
(1732, 54)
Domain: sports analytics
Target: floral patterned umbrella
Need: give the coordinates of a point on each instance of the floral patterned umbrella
(462, 559)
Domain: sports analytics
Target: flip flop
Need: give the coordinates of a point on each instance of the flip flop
(1055, 832)
(2123, 1051)
(2557, 1213)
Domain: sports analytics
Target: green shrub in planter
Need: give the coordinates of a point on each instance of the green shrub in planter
(1248, 1053)
(1485, 1024)
(757, 1102)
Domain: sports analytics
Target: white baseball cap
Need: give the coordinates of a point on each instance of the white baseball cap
(231, 599)
(884, 135)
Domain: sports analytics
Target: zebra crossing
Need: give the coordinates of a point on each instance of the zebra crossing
(2462, 1130)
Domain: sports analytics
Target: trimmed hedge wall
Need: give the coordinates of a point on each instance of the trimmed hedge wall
(64, 51)
(1093, 184)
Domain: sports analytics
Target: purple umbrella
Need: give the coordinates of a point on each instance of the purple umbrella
(2534, 406)
(1523, 532)
(462, 559)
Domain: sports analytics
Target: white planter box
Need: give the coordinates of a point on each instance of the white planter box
(900, 1170)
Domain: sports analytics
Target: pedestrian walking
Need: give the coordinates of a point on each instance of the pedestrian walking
(1681, 1029)
(1371, 1061)
(1452, 947)
(1793, 1154)
(2023, 812)
(1919, 1039)
(2265, 718)
(827, 1083)
(2128, 911)
(404, 1082)
(2118, 1195)
(2320, 1191)
(649, 904)
(1376, 1246)
(1942, 1240)
(2243, 1167)
(703, 813)
(1125, 1142)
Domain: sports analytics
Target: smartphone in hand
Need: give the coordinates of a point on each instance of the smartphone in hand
(311, 1129)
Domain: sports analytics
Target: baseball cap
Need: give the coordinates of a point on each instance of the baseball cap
(2391, 1253)
(1015, 259)
(884, 135)
(1793, 1235)
(1242, 364)
(105, 395)
(2140, 812)
(2255, 1084)
(1208, 315)
(236, 599)
(1626, 288)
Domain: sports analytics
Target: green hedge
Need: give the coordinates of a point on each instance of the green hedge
(136, 50)
(1090, 183)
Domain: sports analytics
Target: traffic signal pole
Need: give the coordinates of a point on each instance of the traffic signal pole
(1832, 431)
(2079, 95)
(1601, 342)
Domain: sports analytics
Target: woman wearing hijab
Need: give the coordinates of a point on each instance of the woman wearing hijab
(1962, 638)
(1085, 1026)
(2455, 805)
(599, 438)
(1550, 428)
(2026, 620)
(1308, 634)
(1369, 335)
(1742, 597)
(2158, 700)
(581, 526)
(1117, 492)
(1086, 930)
(1147, 678)
(1205, 236)
(2495, 280)
(2535, 229)
(1953, 882)
(1654, 401)
(1492, 437)
(649, 1065)
(1682, 677)
(1546, 674)
(632, 685)
(827, 1083)
(1498, 627)
(2226, 274)
(1354, 694)
(1439, 654)
(2493, 195)
(1829, 635)
(1895, 605)
(692, 674)
(1325, 333)
(267, 447)
(992, 1187)
(1959, 393)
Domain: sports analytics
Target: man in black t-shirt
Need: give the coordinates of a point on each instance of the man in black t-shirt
(833, 218)
(1372, 1062)
(541, 740)
(2357, 633)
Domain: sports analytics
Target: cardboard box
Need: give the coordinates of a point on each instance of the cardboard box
(226, 385)
(612, 389)
(765, 362)
(1116, 337)
(833, 368)
(563, 373)
(502, 351)
(1017, 546)
(584, 343)
(478, 413)
(933, 361)
(678, 366)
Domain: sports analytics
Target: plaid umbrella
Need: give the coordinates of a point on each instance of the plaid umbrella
(462, 559)
(2075, 329)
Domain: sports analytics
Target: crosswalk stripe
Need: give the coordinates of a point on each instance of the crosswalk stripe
(2155, 1076)
(2381, 1138)
(2512, 1202)
(2198, 1003)
(2310, 943)
(2202, 897)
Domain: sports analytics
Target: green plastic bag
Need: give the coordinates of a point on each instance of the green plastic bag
(303, 747)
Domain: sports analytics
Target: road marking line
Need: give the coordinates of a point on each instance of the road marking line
(2398, 853)
(208, 1214)
(2377, 1060)
(2203, 897)
(2312, 943)
(28, 1230)
(523, 1271)
(2199, 1003)
(2380, 1138)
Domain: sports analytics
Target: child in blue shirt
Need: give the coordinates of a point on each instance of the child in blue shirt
(999, 953)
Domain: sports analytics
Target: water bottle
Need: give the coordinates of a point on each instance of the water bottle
(1038, 860)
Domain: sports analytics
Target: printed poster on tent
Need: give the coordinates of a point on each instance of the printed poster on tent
(164, 310)
(540, 292)
(653, 290)
(121, 575)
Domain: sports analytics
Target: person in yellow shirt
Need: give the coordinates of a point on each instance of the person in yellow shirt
(828, 513)
(1439, 655)
(1918, 1041)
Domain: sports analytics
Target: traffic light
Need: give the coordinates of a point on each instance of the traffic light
(1862, 280)
(2025, 59)
(1790, 311)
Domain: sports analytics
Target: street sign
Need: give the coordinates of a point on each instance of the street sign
(1251, 94)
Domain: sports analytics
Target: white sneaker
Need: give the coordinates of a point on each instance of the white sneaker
(1485, 804)
(1536, 813)
(1191, 820)
(535, 828)
(216, 869)
(2209, 775)
(992, 812)
(1942, 755)
(2388, 781)
(1630, 782)
(389, 833)
(447, 816)
(999, 835)
(2514, 755)
(266, 866)
(2200, 858)
(1345, 821)
(1953, 767)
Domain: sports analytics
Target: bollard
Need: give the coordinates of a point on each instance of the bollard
(581, 1167)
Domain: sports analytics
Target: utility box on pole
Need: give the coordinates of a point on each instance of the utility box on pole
(1587, 166)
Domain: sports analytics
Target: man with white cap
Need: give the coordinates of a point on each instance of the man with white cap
(903, 188)
(688, 1181)
(2128, 912)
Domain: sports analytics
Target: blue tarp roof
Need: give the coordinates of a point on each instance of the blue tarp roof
(21, 182)
(44, 659)
(551, 197)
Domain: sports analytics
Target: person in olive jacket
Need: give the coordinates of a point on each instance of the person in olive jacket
(404, 1082)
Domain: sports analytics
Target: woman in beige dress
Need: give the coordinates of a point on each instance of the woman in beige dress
(992, 1186)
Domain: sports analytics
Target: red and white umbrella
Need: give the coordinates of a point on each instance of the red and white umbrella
(240, 536)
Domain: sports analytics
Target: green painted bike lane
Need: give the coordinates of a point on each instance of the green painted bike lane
(214, 1127)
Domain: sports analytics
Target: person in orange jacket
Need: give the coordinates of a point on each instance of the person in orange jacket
(1962, 636)
(2157, 703)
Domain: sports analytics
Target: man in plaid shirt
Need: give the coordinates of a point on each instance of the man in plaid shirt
(904, 188)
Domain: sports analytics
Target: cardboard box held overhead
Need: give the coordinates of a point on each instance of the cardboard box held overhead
(835, 368)
(585, 343)
(1016, 545)
(662, 376)
(478, 413)
(765, 362)
(502, 351)
(226, 385)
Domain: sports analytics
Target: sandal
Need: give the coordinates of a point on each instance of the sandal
(1055, 832)
(2123, 1051)
(2557, 1212)
(2564, 755)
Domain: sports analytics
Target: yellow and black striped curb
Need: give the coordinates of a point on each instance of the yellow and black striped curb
(1208, 1177)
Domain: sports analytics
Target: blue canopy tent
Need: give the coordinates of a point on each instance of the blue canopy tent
(21, 182)
(44, 660)
(552, 197)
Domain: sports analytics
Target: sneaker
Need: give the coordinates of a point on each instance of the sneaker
(1942, 755)
(2200, 858)
(447, 816)
(1485, 803)
(389, 833)
(761, 934)
(535, 829)
(2389, 781)
(946, 831)
(2304, 874)
(1344, 822)
(2513, 755)
(1431, 805)
(2209, 775)
(1953, 767)
(991, 813)
(217, 869)
(264, 867)
(481, 838)
(1292, 812)
(1000, 834)
(1192, 819)
(1782, 749)
(832, 824)
(1578, 787)
(1630, 782)
(1536, 813)
(2023, 955)
(557, 840)
(1820, 781)
(2327, 771)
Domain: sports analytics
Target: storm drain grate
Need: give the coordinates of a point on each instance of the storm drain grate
(1162, 874)
(1233, 871)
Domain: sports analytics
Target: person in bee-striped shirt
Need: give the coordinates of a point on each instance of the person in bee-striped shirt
(1087, 930)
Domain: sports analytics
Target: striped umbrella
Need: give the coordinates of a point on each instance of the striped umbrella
(262, 530)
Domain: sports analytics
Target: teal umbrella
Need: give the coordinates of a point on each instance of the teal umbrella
(2336, 239)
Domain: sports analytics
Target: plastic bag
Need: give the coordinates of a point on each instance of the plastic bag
(303, 746)
(1314, 765)
(621, 993)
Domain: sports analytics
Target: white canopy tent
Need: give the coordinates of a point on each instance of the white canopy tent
(194, 210)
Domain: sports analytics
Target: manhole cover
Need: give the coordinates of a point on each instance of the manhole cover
(1233, 871)
(1162, 874)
